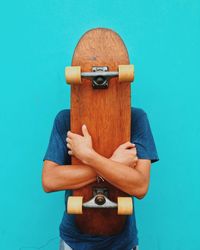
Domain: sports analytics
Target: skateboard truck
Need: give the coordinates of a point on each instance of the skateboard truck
(99, 75)
(99, 200)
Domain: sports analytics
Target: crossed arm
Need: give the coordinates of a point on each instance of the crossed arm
(123, 170)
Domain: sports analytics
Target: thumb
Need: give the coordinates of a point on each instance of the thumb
(127, 144)
(85, 130)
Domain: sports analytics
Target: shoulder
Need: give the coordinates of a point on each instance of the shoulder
(62, 120)
(62, 115)
(139, 121)
(138, 114)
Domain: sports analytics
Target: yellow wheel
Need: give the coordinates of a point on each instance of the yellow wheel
(74, 205)
(125, 205)
(73, 74)
(126, 73)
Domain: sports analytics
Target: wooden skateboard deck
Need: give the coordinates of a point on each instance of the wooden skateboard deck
(107, 115)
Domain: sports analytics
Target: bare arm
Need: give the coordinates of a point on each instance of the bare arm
(57, 177)
(122, 170)
(61, 177)
(133, 181)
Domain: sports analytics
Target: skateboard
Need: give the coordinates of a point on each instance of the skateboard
(100, 76)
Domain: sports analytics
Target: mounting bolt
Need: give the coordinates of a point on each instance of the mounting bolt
(100, 199)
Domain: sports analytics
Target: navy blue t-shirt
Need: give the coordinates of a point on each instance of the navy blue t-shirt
(57, 152)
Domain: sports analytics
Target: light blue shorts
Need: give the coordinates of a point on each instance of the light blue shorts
(64, 246)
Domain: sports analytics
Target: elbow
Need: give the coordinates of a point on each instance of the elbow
(48, 177)
(140, 195)
(139, 192)
(46, 189)
(46, 185)
(142, 191)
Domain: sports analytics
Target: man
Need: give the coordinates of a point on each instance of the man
(128, 169)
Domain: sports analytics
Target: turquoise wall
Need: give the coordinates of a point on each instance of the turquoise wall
(37, 41)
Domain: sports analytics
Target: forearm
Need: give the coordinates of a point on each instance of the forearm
(62, 177)
(122, 176)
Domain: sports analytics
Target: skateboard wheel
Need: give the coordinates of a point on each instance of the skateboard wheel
(73, 74)
(125, 205)
(126, 73)
(74, 205)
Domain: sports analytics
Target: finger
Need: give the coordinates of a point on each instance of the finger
(68, 140)
(68, 145)
(128, 144)
(70, 134)
(135, 151)
(132, 150)
(85, 130)
(132, 146)
(70, 152)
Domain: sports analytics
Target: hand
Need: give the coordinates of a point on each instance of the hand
(126, 153)
(80, 146)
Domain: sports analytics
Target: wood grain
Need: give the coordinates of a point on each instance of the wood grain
(106, 113)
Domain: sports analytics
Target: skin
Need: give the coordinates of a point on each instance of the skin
(123, 169)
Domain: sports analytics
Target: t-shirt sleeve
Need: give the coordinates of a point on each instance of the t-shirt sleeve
(142, 137)
(57, 149)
